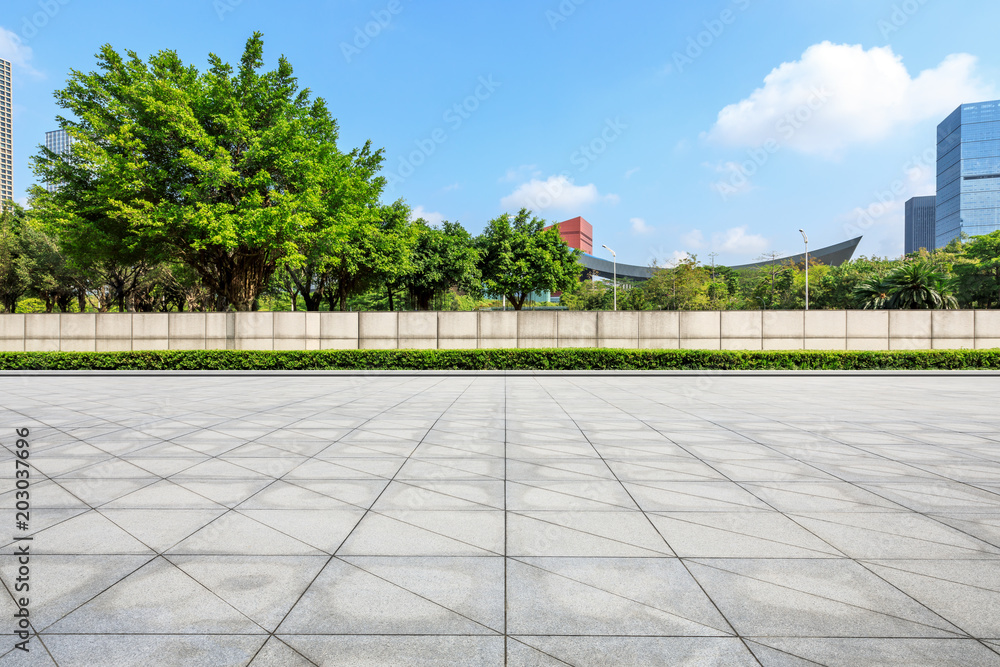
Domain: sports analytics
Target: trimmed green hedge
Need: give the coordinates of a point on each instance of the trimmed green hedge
(476, 360)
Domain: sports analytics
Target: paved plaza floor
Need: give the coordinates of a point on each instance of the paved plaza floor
(297, 520)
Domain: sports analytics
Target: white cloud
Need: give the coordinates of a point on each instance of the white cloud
(558, 192)
(639, 226)
(736, 241)
(521, 173)
(838, 94)
(452, 187)
(432, 217)
(694, 239)
(14, 50)
(673, 259)
(632, 172)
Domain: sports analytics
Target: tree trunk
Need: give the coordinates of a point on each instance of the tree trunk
(304, 280)
(997, 273)
(238, 276)
(388, 288)
(312, 302)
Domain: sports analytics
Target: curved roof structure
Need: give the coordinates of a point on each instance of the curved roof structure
(834, 255)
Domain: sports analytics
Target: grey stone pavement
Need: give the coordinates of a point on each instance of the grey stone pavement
(481, 520)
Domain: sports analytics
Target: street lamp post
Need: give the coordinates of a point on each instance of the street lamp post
(806, 239)
(614, 259)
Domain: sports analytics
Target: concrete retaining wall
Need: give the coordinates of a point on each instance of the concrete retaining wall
(731, 330)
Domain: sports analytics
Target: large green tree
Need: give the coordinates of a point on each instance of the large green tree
(978, 275)
(223, 170)
(520, 257)
(371, 250)
(443, 257)
(31, 264)
(348, 211)
(16, 264)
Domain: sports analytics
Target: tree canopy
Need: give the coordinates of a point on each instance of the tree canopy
(224, 170)
(216, 189)
(443, 257)
(520, 257)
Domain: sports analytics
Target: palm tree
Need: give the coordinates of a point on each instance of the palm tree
(920, 286)
(873, 293)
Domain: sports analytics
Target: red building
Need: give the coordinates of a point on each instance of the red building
(577, 233)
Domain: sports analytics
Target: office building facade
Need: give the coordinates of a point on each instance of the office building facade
(921, 213)
(577, 233)
(57, 141)
(6, 136)
(968, 173)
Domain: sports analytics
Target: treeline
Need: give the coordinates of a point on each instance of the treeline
(965, 274)
(226, 190)
(400, 265)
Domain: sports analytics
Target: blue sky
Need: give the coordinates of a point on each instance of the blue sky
(720, 126)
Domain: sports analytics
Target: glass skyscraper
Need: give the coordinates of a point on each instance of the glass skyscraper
(920, 216)
(968, 172)
(6, 137)
(57, 141)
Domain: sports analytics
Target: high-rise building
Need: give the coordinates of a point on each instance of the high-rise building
(57, 141)
(968, 172)
(920, 217)
(6, 137)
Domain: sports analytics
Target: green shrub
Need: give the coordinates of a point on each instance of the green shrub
(513, 360)
(30, 305)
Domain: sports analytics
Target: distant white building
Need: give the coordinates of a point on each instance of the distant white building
(57, 141)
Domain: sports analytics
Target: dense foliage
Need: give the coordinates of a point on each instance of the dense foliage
(966, 274)
(502, 360)
(226, 190)
(520, 258)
